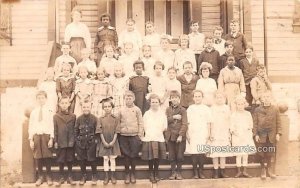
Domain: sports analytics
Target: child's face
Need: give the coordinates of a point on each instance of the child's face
(129, 100)
(76, 16)
(205, 73)
(86, 108)
(164, 44)
(85, 54)
(130, 26)
(197, 97)
(154, 104)
(209, 43)
(240, 105)
(230, 61)
(64, 104)
(83, 73)
(158, 69)
(248, 53)
(118, 72)
(147, 51)
(229, 49)
(109, 53)
(138, 68)
(105, 21)
(65, 49)
(220, 100)
(184, 44)
(128, 49)
(234, 27)
(261, 72)
(217, 34)
(175, 100)
(172, 74)
(100, 75)
(41, 100)
(66, 71)
(266, 99)
(187, 69)
(149, 28)
(107, 107)
(194, 27)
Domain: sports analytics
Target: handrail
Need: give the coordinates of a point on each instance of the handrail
(6, 22)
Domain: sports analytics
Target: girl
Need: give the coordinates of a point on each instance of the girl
(165, 54)
(172, 83)
(241, 130)
(207, 85)
(148, 60)
(199, 121)
(49, 86)
(220, 133)
(88, 63)
(102, 90)
(128, 58)
(108, 62)
(83, 90)
(109, 149)
(78, 34)
(119, 84)
(231, 81)
(65, 86)
(151, 38)
(154, 146)
(184, 54)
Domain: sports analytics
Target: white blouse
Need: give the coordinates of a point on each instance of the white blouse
(78, 30)
(155, 123)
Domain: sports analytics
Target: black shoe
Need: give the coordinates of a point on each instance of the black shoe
(216, 174)
(222, 174)
(239, 173)
(113, 178)
(82, 180)
(49, 180)
(156, 176)
(106, 178)
(263, 174)
(39, 181)
(151, 177)
(70, 180)
(245, 174)
(270, 173)
(195, 173)
(201, 175)
(179, 176)
(127, 178)
(60, 181)
(94, 179)
(132, 178)
(173, 175)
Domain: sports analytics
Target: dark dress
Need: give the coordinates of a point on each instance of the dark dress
(187, 89)
(139, 86)
(66, 86)
(108, 126)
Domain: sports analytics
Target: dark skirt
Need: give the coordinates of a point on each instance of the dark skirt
(77, 44)
(130, 145)
(65, 155)
(266, 149)
(154, 150)
(88, 154)
(102, 151)
(41, 149)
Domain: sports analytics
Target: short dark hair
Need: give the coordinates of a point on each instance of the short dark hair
(159, 63)
(41, 92)
(227, 43)
(174, 93)
(137, 62)
(105, 15)
(193, 22)
(107, 100)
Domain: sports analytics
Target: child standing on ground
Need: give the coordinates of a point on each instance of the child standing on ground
(49, 85)
(85, 142)
(108, 62)
(108, 148)
(218, 41)
(154, 146)
(199, 122)
(175, 134)
(64, 140)
(196, 39)
(41, 134)
(131, 132)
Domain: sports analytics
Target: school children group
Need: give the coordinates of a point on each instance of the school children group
(141, 97)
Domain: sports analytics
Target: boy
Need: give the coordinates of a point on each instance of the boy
(41, 135)
(85, 141)
(64, 123)
(228, 51)
(188, 82)
(106, 35)
(248, 66)
(131, 132)
(211, 56)
(238, 39)
(196, 39)
(218, 41)
(138, 84)
(64, 58)
(267, 131)
(87, 62)
(175, 134)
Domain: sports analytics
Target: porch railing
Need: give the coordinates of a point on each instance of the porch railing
(5, 22)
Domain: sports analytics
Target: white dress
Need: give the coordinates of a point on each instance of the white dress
(109, 65)
(198, 118)
(134, 37)
(241, 126)
(127, 61)
(208, 87)
(119, 86)
(182, 56)
(149, 65)
(50, 88)
(220, 129)
(154, 41)
(167, 58)
(159, 87)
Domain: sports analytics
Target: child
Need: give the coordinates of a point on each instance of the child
(128, 58)
(220, 134)
(228, 51)
(64, 58)
(148, 60)
(87, 62)
(231, 81)
(49, 85)
(241, 131)
(131, 35)
(83, 90)
(207, 85)
(184, 54)
(106, 35)
(196, 39)
(65, 86)
(175, 134)
(199, 121)
(248, 66)
(108, 62)
(102, 90)
(188, 82)
(131, 132)
(85, 141)
(138, 84)
(210, 55)
(151, 38)
(238, 39)
(218, 41)
(41, 134)
(259, 84)
(267, 131)
(154, 146)
(172, 83)
(165, 54)
(64, 123)
(108, 128)
(120, 84)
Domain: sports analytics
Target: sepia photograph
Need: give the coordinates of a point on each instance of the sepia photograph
(150, 93)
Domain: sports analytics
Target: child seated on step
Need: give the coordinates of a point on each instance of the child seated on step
(127, 58)
(108, 62)
(148, 60)
(88, 63)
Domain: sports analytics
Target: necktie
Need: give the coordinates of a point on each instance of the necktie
(41, 115)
